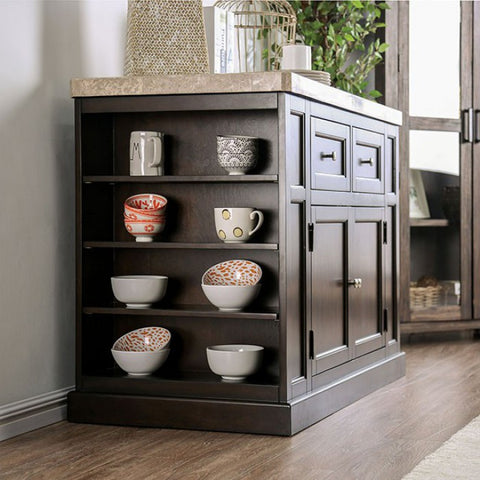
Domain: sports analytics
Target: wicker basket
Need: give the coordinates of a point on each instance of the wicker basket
(424, 297)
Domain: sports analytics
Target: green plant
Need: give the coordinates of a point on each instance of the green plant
(341, 35)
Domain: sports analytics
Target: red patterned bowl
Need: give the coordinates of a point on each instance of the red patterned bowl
(145, 230)
(147, 201)
(146, 339)
(145, 206)
(233, 272)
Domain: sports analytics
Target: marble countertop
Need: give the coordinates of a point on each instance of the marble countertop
(280, 81)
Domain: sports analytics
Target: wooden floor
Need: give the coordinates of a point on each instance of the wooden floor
(382, 436)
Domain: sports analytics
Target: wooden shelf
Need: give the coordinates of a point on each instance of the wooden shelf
(182, 245)
(182, 384)
(195, 311)
(439, 326)
(429, 222)
(436, 314)
(179, 179)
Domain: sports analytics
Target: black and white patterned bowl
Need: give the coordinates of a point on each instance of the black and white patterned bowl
(236, 153)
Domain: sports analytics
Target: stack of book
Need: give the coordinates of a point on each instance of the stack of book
(220, 31)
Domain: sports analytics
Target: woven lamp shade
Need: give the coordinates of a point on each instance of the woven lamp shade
(262, 28)
(165, 37)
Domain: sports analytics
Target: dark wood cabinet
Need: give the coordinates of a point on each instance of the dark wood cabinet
(327, 307)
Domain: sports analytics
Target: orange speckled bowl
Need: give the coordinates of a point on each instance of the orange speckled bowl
(146, 339)
(233, 272)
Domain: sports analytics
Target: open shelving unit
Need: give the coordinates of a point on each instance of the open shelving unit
(193, 186)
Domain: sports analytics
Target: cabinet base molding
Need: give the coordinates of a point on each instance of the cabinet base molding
(324, 401)
(282, 419)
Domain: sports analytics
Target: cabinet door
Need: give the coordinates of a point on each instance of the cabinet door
(365, 313)
(368, 161)
(330, 152)
(329, 340)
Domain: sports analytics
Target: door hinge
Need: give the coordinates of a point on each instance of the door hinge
(310, 237)
(385, 233)
(385, 319)
(311, 345)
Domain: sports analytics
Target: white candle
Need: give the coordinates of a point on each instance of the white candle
(296, 57)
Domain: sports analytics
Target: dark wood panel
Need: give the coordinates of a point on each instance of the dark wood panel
(179, 413)
(179, 245)
(193, 311)
(330, 322)
(293, 283)
(390, 267)
(366, 263)
(172, 103)
(180, 178)
(319, 197)
(183, 384)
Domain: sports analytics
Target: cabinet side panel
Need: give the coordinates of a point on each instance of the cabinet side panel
(295, 246)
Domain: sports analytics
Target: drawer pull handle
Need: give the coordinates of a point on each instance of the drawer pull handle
(332, 155)
(356, 283)
(367, 160)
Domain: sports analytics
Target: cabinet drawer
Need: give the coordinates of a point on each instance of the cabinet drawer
(368, 161)
(330, 155)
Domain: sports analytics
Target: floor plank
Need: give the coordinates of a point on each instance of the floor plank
(382, 436)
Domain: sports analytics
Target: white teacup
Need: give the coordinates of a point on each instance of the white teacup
(146, 153)
(237, 225)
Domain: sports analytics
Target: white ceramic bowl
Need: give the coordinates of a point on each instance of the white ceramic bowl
(231, 298)
(140, 363)
(233, 272)
(139, 291)
(145, 230)
(234, 362)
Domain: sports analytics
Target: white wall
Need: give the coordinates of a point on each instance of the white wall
(43, 44)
